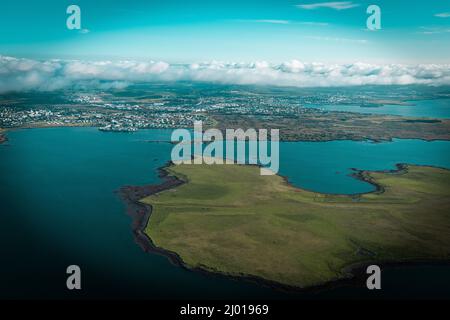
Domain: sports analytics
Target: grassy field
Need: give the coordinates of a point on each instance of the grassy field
(318, 126)
(229, 219)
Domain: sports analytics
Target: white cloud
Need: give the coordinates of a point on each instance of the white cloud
(433, 30)
(337, 5)
(443, 15)
(312, 23)
(343, 40)
(272, 21)
(275, 21)
(25, 74)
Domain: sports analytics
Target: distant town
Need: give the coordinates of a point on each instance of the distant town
(148, 106)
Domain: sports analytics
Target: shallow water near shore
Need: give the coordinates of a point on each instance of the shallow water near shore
(59, 207)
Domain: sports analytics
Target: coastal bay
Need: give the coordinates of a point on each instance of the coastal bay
(60, 206)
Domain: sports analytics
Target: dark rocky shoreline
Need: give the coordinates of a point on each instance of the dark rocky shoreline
(354, 274)
(140, 213)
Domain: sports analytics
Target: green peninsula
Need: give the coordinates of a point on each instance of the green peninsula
(229, 219)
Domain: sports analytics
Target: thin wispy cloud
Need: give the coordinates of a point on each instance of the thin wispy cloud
(272, 21)
(443, 15)
(311, 23)
(433, 30)
(344, 40)
(336, 5)
(285, 22)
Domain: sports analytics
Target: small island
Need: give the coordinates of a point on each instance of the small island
(229, 219)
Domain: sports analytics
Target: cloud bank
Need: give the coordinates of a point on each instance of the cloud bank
(18, 74)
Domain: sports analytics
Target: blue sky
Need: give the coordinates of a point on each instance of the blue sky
(188, 31)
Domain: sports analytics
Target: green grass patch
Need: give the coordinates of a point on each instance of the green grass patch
(230, 219)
